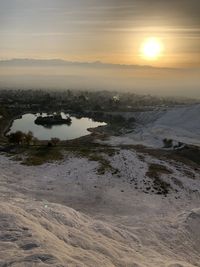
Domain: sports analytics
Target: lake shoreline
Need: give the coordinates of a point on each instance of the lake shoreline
(92, 131)
(7, 126)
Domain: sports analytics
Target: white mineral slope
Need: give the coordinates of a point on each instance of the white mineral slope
(181, 124)
(127, 222)
(34, 234)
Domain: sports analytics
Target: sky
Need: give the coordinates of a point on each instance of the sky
(108, 31)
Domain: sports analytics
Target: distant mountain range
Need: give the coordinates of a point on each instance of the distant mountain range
(60, 62)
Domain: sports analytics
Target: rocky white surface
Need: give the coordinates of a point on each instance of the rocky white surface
(65, 214)
(181, 124)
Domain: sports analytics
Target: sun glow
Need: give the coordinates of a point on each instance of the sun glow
(151, 48)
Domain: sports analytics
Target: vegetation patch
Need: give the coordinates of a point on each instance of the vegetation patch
(188, 155)
(17, 158)
(94, 154)
(155, 171)
(41, 155)
(104, 164)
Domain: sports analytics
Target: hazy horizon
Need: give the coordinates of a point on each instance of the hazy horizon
(142, 46)
(60, 74)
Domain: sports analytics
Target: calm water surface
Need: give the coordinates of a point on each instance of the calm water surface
(77, 128)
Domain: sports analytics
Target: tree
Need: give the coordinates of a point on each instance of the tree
(35, 140)
(28, 137)
(16, 138)
(55, 141)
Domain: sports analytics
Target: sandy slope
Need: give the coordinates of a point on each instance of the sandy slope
(125, 225)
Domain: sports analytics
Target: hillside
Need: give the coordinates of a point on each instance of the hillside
(142, 212)
(181, 124)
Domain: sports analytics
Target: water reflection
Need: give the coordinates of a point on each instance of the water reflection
(77, 128)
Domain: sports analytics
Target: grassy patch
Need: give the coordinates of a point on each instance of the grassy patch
(104, 164)
(188, 153)
(97, 155)
(94, 152)
(41, 155)
(154, 172)
(86, 150)
(13, 151)
(38, 155)
(17, 158)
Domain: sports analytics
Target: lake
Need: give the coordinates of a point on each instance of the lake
(77, 128)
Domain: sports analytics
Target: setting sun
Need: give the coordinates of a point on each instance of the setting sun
(151, 48)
